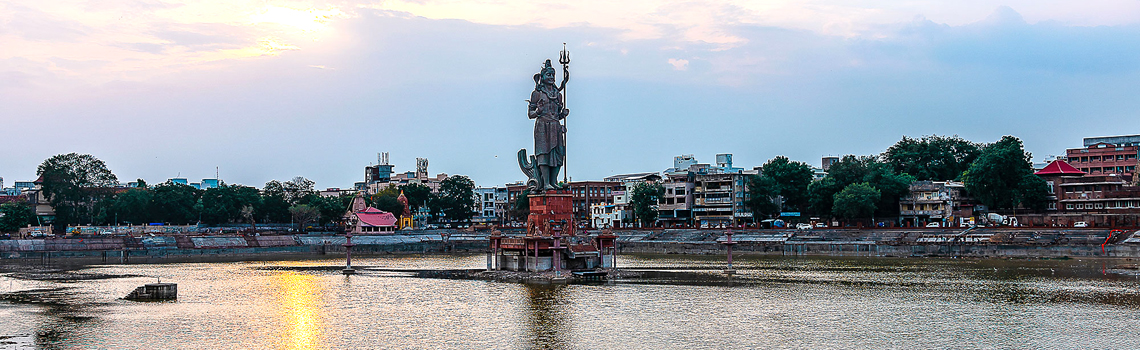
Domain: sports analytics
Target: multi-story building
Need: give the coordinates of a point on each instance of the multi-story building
(1106, 155)
(1098, 199)
(942, 202)
(588, 193)
(622, 212)
(718, 199)
(485, 211)
(605, 216)
(502, 204)
(676, 207)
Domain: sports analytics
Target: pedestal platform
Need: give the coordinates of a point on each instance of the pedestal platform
(552, 242)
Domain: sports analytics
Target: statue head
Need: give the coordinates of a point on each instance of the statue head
(547, 73)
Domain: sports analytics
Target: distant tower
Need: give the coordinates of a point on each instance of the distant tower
(828, 161)
(421, 167)
(724, 160)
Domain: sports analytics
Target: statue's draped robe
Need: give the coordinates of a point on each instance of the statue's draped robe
(549, 141)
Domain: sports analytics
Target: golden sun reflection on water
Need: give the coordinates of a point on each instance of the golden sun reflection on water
(299, 316)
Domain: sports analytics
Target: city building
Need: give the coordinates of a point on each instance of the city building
(1106, 155)
(621, 213)
(502, 204)
(380, 177)
(941, 202)
(588, 193)
(718, 199)
(335, 192)
(605, 216)
(485, 211)
(381, 172)
(179, 180)
(1097, 199)
(513, 190)
(676, 206)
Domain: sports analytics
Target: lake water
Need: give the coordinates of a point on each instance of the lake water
(775, 302)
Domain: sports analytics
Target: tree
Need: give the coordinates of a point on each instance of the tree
(387, 200)
(73, 183)
(224, 203)
(762, 192)
(821, 195)
(1002, 176)
(852, 170)
(13, 216)
(936, 158)
(174, 203)
(520, 208)
(292, 191)
(273, 208)
(331, 208)
(644, 200)
(388, 203)
(791, 180)
(456, 199)
(1033, 193)
(856, 201)
(133, 206)
(304, 214)
(779, 178)
(417, 195)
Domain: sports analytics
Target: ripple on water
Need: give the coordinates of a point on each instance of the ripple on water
(775, 302)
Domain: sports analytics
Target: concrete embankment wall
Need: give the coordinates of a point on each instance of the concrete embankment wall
(884, 250)
(225, 248)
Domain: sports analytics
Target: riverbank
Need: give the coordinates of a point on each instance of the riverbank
(980, 243)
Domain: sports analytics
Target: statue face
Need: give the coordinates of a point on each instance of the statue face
(548, 77)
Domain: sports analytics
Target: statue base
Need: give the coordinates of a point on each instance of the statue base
(551, 211)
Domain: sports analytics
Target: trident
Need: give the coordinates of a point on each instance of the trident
(564, 59)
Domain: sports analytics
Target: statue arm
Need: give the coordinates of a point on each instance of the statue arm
(532, 106)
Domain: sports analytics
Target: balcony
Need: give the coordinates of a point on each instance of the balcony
(921, 212)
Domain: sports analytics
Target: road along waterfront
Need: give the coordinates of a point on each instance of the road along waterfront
(773, 302)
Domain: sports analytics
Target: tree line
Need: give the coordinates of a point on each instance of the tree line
(82, 190)
(999, 175)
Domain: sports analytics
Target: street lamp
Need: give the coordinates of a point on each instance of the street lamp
(352, 221)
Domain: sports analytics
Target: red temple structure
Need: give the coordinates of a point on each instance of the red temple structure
(551, 242)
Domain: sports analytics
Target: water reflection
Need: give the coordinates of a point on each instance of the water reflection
(299, 297)
(547, 321)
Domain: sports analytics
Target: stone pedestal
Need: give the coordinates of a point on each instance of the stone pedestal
(548, 211)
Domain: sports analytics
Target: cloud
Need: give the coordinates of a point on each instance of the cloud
(192, 92)
(679, 64)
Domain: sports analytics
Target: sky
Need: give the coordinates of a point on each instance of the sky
(264, 90)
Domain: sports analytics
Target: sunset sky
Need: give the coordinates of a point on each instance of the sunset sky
(275, 89)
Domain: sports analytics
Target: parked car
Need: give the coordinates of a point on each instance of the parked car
(803, 226)
(934, 224)
(1080, 224)
(820, 225)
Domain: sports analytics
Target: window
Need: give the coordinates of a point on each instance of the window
(1050, 183)
(680, 200)
(1052, 205)
(1100, 205)
(680, 191)
(1069, 206)
(1080, 206)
